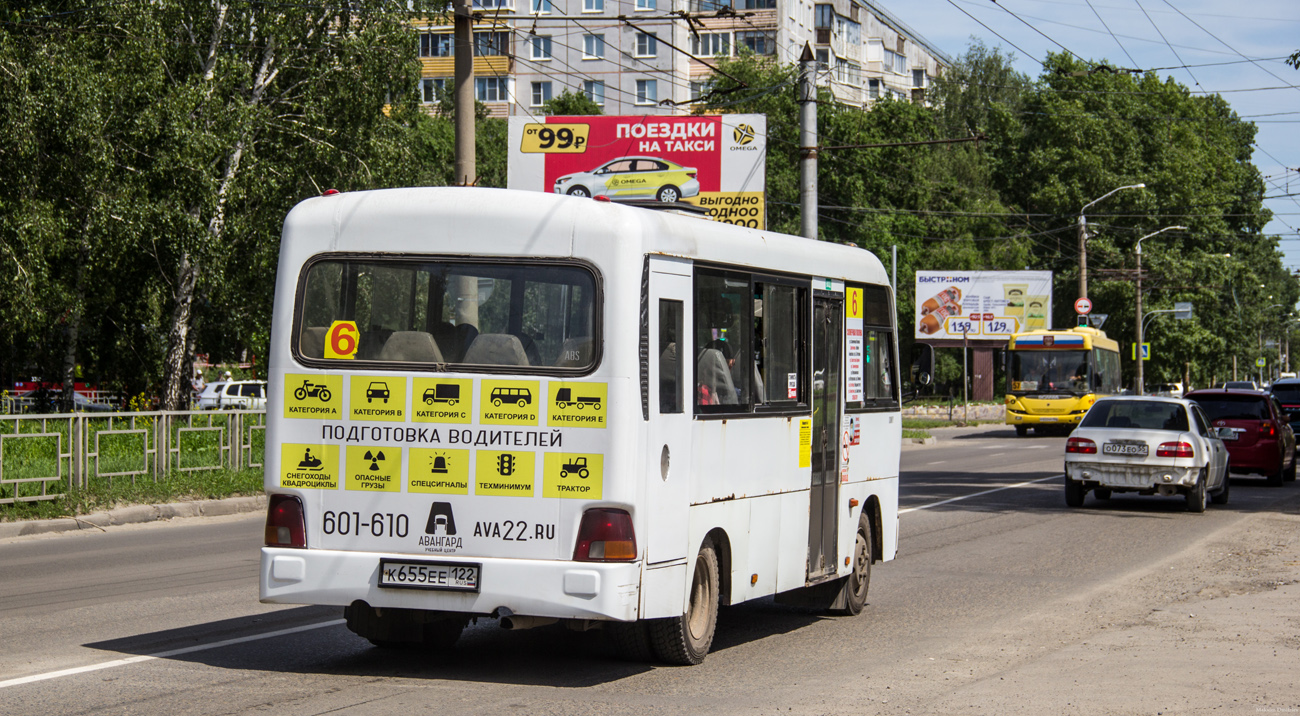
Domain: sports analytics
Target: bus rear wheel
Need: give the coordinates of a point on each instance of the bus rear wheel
(685, 640)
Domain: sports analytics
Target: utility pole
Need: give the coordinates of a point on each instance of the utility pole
(1083, 259)
(808, 141)
(466, 169)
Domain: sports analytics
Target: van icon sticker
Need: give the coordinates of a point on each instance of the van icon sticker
(509, 402)
(373, 469)
(312, 467)
(438, 471)
(442, 400)
(577, 405)
(508, 474)
(377, 398)
(313, 396)
(573, 475)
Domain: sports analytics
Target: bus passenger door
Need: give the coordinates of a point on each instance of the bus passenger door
(669, 442)
(828, 330)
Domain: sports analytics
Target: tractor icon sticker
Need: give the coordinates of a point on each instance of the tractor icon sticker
(573, 476)
(577, 466)
(309, 389)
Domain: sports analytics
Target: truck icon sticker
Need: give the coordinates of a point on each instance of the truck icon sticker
(448, 393)
(563, 399)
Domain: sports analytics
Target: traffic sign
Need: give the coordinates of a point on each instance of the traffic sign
(1083, 306)
(1260, 362)
(1099, 319)
(1146, 351)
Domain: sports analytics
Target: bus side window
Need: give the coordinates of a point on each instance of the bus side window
(670, 364)
(724, 351)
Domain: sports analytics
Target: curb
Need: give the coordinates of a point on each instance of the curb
(135, 514)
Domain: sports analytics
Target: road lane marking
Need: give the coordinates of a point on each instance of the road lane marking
(1036, 447)
(937, 462)
(967, 497)
(163, 654)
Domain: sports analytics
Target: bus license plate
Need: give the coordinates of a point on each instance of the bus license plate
(1047, 420)
(404, 574)
(1125, 449)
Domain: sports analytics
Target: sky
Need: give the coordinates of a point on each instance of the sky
(1192, 35)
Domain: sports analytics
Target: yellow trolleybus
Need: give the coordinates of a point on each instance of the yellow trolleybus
(1053, 377)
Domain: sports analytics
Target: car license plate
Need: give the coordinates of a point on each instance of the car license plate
(1134, 449)
(1233, 436)
(411, 574)
(1047, 420)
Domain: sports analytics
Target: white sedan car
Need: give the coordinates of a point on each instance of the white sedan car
(1148, 445)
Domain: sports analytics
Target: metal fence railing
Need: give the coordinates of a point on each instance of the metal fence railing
(44, 456)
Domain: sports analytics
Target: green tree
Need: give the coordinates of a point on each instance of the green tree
(571, 104)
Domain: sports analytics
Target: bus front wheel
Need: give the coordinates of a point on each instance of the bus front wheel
(1022, 430)
(685, 640)
(853, 595)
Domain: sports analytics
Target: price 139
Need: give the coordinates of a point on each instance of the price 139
(958, 326)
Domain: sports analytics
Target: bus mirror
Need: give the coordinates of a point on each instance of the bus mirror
(922, 364)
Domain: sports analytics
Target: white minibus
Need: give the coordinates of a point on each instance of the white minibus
(655, 414)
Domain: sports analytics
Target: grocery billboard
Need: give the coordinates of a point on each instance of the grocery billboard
(982, 305)
(713, 161)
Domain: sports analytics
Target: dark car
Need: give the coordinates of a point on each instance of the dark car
(1287, 392)
(1265, 442)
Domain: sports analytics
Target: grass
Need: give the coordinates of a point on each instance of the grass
(927, 423)
(921, 434)
(103, 495)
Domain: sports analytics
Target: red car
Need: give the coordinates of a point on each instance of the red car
(1265, 443)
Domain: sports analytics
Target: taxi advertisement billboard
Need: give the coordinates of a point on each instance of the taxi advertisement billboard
(712, 161)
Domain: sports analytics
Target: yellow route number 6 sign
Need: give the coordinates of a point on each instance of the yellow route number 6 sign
(342, 339)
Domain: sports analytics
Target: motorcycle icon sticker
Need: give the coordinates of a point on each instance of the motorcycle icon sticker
(313, 396)
(309, 467)
(438, 471)
(577, 405)
(508, 474)
(377, 398)
(373, 468)
(442, 400)
(572, 475)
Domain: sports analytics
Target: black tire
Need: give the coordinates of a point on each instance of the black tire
(578, 191)
(669, 194)
(1275, 480)
(1221, 497)
(1101, 493)
(685, 640)
(1074, 492)
(496, 402)
(1196, 495)
(858, 582)
(300, 394)
(324, 395)
(1022, 430)
(631, 640)
(1289, 474)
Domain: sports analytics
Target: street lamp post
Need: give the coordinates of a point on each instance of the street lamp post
(1083, 238)
(1141, 386)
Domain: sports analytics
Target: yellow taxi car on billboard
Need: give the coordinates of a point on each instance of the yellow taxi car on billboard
(632, 177)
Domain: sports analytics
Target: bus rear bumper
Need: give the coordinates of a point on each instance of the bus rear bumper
(541, 588)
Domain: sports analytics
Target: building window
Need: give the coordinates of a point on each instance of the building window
(647, 45)
(490, 89)
(491, 43)
(541, 93)
(493, 4)
(711, 44)
(873, 89)
(541, 45)
(756, 4)
(593, 46)
(823, 59)
(435, 44)
(698, 89)
(707, 5)
(433, 88)
(593, 5)
(895, 62)
(918, 78)
(594, 91)
(645, 4)
(758, 41)
(824, 17)
(539, 7)
(849, 73)
(647, 91)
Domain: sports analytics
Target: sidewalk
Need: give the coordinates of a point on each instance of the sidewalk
(135, 514)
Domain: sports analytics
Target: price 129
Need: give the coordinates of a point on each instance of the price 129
(999, 325)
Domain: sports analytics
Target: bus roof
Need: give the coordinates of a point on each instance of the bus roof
(455, 220)
(1079, 337)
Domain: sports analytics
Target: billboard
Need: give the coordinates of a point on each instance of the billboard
(982, 305)
(714, 161)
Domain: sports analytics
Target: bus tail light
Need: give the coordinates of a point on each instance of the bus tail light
(605, 535)
(1179, 449)
(285, 524)
(1081, 445)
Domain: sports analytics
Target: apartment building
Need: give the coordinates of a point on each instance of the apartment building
(645, 57)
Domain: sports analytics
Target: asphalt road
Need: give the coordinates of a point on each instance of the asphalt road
(1002, 600)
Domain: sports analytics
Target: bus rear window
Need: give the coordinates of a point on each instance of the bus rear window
(436, 314)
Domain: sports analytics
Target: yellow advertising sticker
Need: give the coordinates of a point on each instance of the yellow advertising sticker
(509, 402)
(373, 468)
(313, 396)
(805, 442)
(743, 208)
(508, 474)
(572, 475)
(442, 400)
(853, 303)
(554, 138)
(437, 471)
(377, 398)
(578, 405)
(309, 467)
(341, 340)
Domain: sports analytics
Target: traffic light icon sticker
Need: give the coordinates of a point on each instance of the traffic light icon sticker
(573, 475)
(373, 468)
(506, 474)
